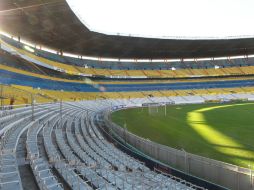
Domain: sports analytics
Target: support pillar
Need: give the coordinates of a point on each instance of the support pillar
(2, 96)
(32, 106)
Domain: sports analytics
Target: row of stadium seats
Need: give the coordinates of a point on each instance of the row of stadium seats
(23, 95)
(116, 65)
(12, 78)
(14, 62)
(30, 73)
(12, 68)
(76, 156)
(181, 70)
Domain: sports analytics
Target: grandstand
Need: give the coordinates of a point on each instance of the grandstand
(75, 66)
(56, 130)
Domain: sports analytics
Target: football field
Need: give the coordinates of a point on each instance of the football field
(223, 132)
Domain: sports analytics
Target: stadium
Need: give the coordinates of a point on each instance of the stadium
(126, 95)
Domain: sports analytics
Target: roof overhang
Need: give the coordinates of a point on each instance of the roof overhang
(53, 24)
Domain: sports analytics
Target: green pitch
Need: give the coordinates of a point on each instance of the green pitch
(223, 132)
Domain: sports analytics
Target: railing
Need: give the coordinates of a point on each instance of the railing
(13, 97)
(221, 173)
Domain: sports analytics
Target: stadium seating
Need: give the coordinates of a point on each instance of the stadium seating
(11, 78)
(75, 66)
(51, 123)
(17, 64)
(23, 95)
(80, 154)
(72, 78)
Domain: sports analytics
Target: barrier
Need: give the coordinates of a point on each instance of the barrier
(12, 97)
(221, 173)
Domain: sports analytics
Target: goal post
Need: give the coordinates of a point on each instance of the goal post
(153, 109)
(157, 108)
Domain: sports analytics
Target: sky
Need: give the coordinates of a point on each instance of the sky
(168, 18)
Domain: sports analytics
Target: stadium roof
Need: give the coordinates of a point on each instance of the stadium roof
(52, 23)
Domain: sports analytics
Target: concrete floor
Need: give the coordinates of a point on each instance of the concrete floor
(26, 174)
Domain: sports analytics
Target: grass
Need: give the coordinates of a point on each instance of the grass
(223, 132)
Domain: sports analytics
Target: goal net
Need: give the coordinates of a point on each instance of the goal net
(157, 108)
(153, 109)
